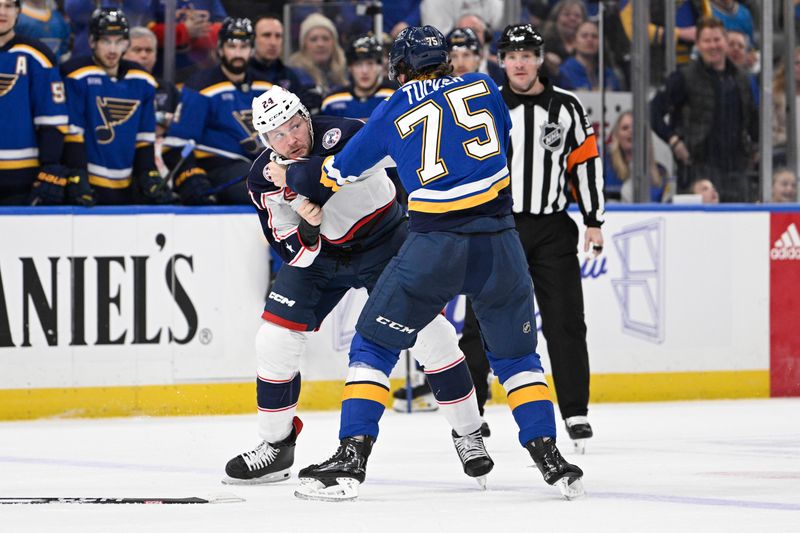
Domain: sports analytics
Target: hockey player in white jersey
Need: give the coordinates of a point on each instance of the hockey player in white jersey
(330, 243)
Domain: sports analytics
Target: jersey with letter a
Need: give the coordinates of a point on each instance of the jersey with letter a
(448, 138)
(217, 114)
(31, 96)
(111, 116)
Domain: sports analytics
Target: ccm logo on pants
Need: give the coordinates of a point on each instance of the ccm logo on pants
(281, 299)
(394, 325)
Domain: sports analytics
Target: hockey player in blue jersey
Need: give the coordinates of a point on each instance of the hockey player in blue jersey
(38, 21)
(112, 118)
(448, 136)
(215, 113)
(32, 104)
(330, 243)
(367, 88)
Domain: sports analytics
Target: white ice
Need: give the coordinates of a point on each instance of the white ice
(691, 466)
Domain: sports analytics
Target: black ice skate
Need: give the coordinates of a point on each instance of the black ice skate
(338, 478)
(474, 457)
(555, 470)
(579, 431)
(268, 463)
(486, 431)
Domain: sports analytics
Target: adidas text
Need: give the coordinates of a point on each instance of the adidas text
(788, 246)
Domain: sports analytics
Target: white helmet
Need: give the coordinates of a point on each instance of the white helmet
(274, 107)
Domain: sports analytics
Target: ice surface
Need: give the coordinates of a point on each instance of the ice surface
(689, 466)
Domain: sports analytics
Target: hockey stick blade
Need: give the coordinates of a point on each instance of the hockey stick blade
(215, 498)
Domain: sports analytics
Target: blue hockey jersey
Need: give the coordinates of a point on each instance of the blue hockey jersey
(216, 113)
(357, 217)
(448, 137)
(343, 102)
(31, 97)
(46, 25)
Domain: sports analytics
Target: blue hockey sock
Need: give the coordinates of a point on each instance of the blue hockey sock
(365, 396)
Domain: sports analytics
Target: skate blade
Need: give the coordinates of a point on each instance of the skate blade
(274, 477)
(346, 489)
(570, 487)
(579, 446)
(481, 482)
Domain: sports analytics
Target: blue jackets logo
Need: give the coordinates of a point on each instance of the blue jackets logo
(113, 111)
(331, 138)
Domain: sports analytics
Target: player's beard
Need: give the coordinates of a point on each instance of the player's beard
(234, 66)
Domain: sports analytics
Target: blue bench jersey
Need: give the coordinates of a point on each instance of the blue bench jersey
(343, 102)
(112, 117)
(31, 96)
(48, 26)
(217, 114)
(448, 138)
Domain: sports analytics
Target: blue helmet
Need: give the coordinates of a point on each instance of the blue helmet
(417, 47)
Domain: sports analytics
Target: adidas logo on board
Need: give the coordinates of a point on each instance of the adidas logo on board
(788, 246)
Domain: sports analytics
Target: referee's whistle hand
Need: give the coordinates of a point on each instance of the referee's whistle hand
(593, 239)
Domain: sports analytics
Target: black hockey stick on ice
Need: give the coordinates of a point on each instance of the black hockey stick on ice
(220, 498)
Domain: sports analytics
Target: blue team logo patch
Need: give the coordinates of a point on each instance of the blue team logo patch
(552, 136)
(331, 137)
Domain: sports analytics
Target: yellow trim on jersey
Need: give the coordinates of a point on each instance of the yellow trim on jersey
(40, 57)
(142, 75)
(463, 203)
(337, 97)
(64, 129)
(325, 180)
(217, 88)
(37, 14)
(143, 144)
(532, 393)
(74, 138)
(201, 154)
(366, 391)
(387, 92)
(100, 181)
(260, 84)
(86, 71)
(15, 164)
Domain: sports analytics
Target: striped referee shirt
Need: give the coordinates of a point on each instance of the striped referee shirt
(552, 141)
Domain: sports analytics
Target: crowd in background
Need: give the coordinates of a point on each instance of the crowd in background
(706, 112)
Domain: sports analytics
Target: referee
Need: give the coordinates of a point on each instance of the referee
(552, 143)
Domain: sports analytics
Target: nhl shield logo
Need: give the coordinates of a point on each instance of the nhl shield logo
(552, 136)
(331, 137)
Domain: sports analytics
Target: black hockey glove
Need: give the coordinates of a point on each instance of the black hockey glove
(49, 187)
(193, 186)
(153, 189)
(79, 192)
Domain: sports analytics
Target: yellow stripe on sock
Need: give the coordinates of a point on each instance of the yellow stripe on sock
(531, 393)
(366, 391)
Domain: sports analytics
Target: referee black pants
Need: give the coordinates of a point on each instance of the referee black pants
(550, 243)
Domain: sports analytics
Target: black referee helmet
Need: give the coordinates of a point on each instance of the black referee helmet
(520, 37)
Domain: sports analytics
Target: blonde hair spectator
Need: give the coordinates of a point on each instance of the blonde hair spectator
(320, 54)
(784, 186)
(779, 98)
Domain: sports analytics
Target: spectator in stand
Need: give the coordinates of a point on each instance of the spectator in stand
(444, 15)
(559, 34)
(705, 188)
(143, 51)
(712, 125)
(581, 71)
(360, 98)
(320, 58)
(484, 34)
(216, 114)
(400, 14)
(198, 23)
(784, 185)
(734, 16)
(779, 108)
(78, 12)
(618, 163)
(38, 21)
(687, 13)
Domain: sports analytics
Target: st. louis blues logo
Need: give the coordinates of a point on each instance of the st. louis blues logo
(7, 82)
(114, 112)
(552, 136)
(250, 143)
